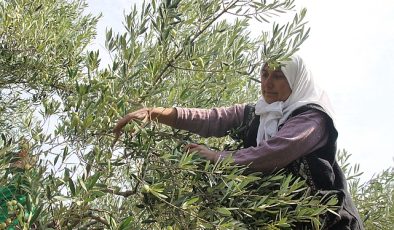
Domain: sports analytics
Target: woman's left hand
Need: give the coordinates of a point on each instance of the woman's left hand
(202, 150)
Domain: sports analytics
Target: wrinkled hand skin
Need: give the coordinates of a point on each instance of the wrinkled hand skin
(202, 150)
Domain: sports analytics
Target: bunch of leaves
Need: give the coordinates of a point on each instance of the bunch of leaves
(285, 40)
(374, 198)
(40, 42)
(198, 194)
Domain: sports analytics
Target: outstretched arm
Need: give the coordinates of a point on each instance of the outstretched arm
(215, 122)
(205, 122)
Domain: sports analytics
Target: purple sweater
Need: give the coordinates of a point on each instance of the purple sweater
(299, 136)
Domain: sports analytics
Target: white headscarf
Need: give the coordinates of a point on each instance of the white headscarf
(304, 91)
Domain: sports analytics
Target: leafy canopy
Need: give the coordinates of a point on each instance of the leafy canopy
(58, 107)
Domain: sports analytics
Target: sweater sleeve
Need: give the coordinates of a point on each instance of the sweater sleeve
(210, 122)
(299, 136)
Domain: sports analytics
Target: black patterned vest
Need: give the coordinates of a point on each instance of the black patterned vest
(319, 168)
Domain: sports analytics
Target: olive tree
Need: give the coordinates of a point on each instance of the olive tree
(59, 106)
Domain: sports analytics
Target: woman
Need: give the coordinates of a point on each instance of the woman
(291, 127)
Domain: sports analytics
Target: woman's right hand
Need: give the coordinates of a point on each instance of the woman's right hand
(165, 116)
(141, 114)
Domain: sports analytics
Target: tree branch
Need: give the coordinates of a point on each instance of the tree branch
(126, 193)
(191, 38)
(98, 219)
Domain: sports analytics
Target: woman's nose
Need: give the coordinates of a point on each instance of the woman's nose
(268, 81)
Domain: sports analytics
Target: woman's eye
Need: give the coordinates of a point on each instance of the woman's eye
(279, 76)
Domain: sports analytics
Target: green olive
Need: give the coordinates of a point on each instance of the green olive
(70, 98)
(106, 119)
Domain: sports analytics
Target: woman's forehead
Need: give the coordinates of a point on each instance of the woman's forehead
(266, 67)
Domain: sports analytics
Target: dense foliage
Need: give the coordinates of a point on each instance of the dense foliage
(373, 198)
(59, 167)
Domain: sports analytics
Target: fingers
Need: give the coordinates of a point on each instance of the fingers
(141, 114)
(201, 150)
(119, 126)
(117, 135)
(121, 123)
(196, 148)
(192, 147)
(137, 115)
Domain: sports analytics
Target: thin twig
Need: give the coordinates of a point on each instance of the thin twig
(126, 193)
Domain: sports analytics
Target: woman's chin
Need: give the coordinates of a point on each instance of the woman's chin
(270, 100)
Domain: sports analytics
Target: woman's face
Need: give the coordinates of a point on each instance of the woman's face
(274, 85)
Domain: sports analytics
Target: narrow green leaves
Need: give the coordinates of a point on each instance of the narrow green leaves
(285, 40)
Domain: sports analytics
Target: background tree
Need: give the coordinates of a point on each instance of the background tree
(58, 108)
(374, 198)
(41, 45)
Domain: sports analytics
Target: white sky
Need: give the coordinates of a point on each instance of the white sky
(351, 51)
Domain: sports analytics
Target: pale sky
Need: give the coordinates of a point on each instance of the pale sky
(351, 51)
